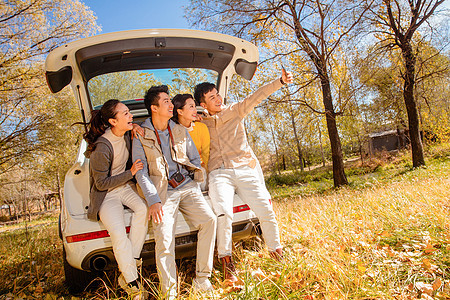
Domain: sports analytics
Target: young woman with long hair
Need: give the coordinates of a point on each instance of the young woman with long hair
(111, 172)
(185, 113)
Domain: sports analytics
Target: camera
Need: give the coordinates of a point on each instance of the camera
(176, 179)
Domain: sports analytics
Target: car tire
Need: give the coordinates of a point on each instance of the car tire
(77, 281)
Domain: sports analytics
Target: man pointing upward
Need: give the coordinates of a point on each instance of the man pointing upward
(232, 167)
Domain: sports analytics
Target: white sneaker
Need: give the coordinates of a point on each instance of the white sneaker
(202, 284)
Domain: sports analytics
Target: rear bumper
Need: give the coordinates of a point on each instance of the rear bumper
(185, 246)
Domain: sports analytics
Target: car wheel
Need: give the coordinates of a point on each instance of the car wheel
(77, 280)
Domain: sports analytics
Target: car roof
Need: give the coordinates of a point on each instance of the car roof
(77, 62)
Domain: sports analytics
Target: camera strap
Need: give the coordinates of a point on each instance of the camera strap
(173, 143)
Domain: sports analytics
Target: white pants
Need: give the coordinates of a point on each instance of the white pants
(111, 213)
(246, 182)
(189, 200)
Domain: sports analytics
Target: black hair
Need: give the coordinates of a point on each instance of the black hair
(152, 96)
(100, 122)
(201, 89)
(179, 101)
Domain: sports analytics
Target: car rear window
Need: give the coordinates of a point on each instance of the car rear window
(130, 85)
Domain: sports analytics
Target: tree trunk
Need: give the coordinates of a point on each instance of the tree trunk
(297, 141)
(321, 146)
(411, 107)
(339, 176)
(277, 164)
(360, 149)
(59, 188)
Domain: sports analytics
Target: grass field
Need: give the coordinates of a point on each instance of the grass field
(385, 236)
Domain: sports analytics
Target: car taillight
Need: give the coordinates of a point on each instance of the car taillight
(90, 236)
(244, 207)
(240, 208)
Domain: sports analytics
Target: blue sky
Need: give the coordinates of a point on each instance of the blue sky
(117, 15)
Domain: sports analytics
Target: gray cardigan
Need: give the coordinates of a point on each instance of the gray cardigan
(100, 162)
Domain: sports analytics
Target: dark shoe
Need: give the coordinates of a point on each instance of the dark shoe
(228, 269)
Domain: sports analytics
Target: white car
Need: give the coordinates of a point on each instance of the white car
(123, 65)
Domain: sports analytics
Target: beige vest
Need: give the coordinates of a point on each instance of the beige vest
(157, 165)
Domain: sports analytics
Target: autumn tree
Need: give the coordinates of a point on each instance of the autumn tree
(184, 79)
(28, 31)
(396, 23)
(433, 94)
(127, 85)
(316, 28)
(264, 129)
(382, 107)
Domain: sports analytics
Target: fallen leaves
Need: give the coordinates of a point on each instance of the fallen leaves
(228, 286)
(436, 284)
(360, 267)
(385, 234)
(424, 287)
(426, 264)
(429, 288)
(429, 249)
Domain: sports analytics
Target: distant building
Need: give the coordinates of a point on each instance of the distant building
(390, 140)
(5, 209)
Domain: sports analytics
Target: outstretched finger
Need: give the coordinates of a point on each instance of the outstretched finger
(156, 218)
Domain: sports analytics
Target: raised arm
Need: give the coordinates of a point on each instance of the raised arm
(245, 106)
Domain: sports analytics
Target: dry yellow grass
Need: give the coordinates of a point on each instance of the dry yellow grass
(388, 240)
(373, 243)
